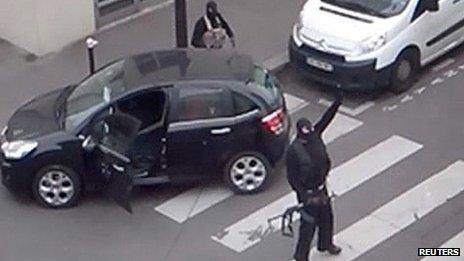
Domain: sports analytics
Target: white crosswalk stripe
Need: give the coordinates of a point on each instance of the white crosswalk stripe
(294, 103)
(193, 202)
(350, 111)
(253, 228)
(398, 214)
(455, 242)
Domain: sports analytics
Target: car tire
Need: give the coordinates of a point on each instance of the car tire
(404, 72)
(247, 172)
(56, 187)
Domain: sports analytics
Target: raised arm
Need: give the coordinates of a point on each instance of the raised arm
(328, 115)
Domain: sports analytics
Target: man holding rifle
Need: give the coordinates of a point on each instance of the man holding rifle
(308, 165)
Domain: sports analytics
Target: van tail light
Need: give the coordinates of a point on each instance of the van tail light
(274, 122)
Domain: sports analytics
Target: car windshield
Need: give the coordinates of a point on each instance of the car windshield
(381, 8)
(267, 85)
(93, 93)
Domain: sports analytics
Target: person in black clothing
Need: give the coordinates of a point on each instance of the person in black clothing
(307, 167)
(212, 21)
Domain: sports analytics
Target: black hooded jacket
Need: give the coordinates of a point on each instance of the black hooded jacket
(201, 28)
(308, 162)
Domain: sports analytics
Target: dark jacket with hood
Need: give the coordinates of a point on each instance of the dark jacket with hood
(200, 26)
(307, 160)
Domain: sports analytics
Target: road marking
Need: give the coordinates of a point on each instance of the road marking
(437, 81)
(193, 202)
(253, 228)
(455, 242)
(390, 108)
(352, 112)
(407, 98)
(451, 73)
(398, 214)
(443, 65)
(370, 163)
(294, 103)
(420, 90)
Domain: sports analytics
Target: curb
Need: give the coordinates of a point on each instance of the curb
(127, 19)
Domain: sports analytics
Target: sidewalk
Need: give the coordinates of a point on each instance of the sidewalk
(262, 29)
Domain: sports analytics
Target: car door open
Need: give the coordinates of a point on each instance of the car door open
(110, 139)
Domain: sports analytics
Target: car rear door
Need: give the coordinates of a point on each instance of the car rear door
(200, 129)
(150, 108)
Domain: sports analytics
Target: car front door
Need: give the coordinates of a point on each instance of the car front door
(199, 131)
(108, 141)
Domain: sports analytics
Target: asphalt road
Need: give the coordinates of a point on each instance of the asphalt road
(384, 147)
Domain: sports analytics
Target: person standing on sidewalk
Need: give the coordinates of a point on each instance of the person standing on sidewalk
(308, 165)
(211, 30)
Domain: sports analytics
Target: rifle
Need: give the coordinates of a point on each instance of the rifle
(287, 219)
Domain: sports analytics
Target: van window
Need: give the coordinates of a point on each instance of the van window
(202, 103)
(420, 9)
(381, 8)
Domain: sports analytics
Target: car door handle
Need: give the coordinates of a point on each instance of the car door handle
(221, 131)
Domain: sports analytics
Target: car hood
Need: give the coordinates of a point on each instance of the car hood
(36, 118)
(338, 30)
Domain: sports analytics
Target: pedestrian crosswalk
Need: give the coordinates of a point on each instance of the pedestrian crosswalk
(345, 177)
(398, 213)
(370, 231)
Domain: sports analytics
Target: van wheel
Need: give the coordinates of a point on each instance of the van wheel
(56, 187)
(404, 72)
(247, 172)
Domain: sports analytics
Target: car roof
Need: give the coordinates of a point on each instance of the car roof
(170, 66)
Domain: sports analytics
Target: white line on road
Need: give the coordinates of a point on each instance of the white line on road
(455, 242)
(370, 163)
(398, 214)
(352, 112)
(193, 202)
(294, 103)
(253, 228)
(443, 64)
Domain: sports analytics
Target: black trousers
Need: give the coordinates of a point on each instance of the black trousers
(323, 220)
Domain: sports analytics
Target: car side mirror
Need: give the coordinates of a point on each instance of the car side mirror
(89, 144)
(432, 5)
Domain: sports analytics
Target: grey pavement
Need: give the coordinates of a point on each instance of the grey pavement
(429, 114)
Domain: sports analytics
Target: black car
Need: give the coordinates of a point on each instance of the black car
(169, 116)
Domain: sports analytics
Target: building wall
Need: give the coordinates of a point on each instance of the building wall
(43, 26)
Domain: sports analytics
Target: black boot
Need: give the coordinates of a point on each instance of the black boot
(334, 250)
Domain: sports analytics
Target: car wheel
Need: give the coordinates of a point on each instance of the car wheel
(404, 72)
(247, 172)
(56, 187)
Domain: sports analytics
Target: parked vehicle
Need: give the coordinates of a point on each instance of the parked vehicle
(201, 114)
(364, 44)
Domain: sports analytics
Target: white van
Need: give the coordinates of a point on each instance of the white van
(366, 44)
